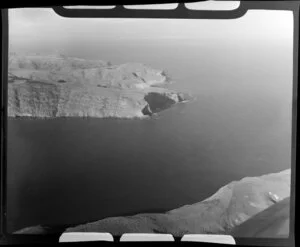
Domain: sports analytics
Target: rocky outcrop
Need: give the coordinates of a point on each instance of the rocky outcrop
(59, 86)
(228, 208)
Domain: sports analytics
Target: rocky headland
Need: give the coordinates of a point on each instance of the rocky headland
(60, 86)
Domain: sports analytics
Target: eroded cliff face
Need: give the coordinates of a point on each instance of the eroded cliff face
(56, 86)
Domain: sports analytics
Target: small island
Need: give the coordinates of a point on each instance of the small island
(60, 86)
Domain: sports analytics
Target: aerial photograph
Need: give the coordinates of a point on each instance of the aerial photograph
(174, 126)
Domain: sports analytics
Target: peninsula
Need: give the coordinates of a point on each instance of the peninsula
(60, 86)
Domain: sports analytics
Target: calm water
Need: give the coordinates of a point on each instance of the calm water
(79, 170)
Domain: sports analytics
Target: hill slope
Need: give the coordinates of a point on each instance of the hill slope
(228, 207)
(223, 212)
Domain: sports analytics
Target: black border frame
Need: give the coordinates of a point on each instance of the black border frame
(181, 12)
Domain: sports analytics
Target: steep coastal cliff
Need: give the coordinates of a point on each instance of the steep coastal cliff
(229, 207)
(59, 86)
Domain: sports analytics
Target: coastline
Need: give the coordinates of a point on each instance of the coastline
(220, 213)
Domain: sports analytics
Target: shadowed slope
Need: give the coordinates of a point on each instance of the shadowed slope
(273, 222)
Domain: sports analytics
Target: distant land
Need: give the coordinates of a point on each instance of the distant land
(46, 86)
(249, 200)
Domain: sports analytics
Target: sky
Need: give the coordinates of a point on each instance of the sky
(40, 27)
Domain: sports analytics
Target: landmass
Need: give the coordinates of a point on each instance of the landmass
(60, 86)
(273, 222)
(230, 207)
